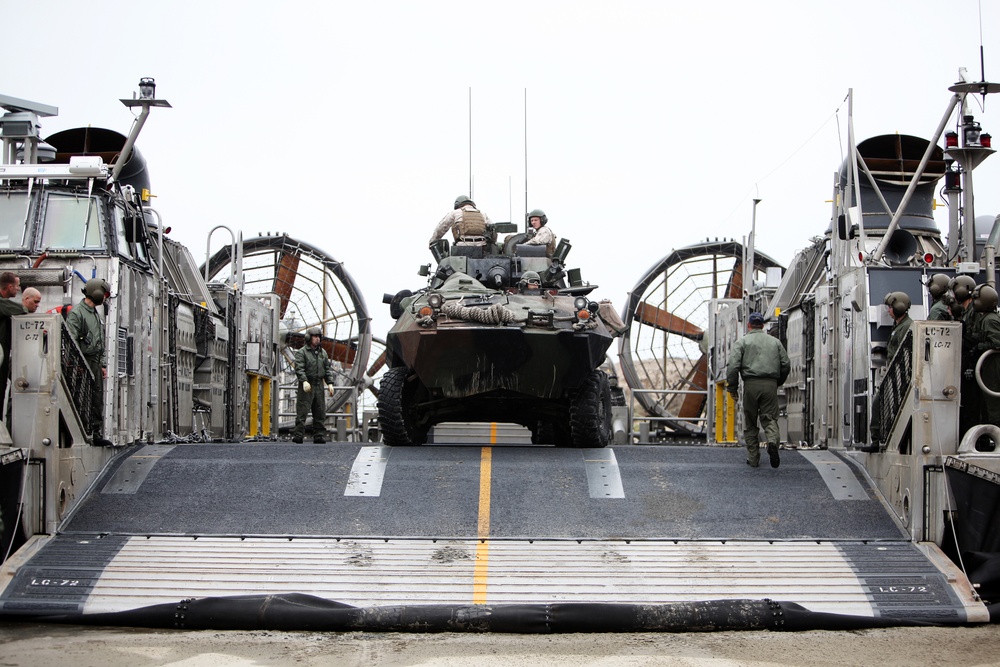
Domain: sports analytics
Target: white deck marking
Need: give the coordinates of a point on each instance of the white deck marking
(367, 472)
(603, 476)
(838, 475)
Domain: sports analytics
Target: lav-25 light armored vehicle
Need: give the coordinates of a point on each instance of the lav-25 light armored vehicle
(483, 342)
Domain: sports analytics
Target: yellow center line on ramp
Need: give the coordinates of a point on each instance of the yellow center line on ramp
(480, 573)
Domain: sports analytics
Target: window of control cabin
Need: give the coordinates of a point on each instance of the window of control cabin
(72, 223)
(13, 216)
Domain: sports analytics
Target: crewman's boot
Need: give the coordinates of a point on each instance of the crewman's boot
(319, 439)
(772, 452)
(297, 438)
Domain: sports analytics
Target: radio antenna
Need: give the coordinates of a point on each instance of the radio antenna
(470, 143)
(526, 159)
(982, 59)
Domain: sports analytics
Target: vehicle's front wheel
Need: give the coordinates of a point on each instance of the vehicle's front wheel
(590, 412)
(394, 397)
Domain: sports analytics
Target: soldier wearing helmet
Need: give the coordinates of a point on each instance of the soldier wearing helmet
(312, 368)
(539, 233)
(941, 298)
(86, 327)
(468, 225)
(530, 280)
(898, 305)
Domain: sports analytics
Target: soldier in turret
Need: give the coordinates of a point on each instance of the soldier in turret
(312, 368)
(761, 362)
(86, 327)
(539, 233)
(941, 298)
(467, 223)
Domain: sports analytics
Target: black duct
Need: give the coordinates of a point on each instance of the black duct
(108, 145)
(892, 160)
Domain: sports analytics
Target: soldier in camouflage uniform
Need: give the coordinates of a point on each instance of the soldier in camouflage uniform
(540, 234)
(761, 361)
(467, 224)
(312, 367)
(87, 329)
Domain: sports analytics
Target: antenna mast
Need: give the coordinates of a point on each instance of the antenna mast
(470, 143)
(526, 159)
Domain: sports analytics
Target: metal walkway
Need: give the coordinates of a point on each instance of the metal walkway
(376, 526)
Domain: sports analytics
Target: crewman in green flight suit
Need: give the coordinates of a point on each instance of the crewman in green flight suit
(987, 333)
(898, 304)
(312, 367)
(761, 361)
(87, 328)
(941, 298)
(970, 411)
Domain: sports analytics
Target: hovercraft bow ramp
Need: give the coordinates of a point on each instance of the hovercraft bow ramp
(517, 539)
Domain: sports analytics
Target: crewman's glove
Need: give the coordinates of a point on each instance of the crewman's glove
(329, 390)
(306, 387)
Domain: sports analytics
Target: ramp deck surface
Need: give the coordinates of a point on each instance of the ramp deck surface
(373, 525)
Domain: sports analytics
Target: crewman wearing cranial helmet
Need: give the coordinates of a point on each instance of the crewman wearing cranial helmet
(942, 300)
(312, 369)
(987, 335)
(86, 327)
(970, 410)
(898, 304)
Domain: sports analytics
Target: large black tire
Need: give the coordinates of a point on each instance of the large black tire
(393, 397)
(590, 412)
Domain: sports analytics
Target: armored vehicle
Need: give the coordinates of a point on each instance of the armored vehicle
(502, 333)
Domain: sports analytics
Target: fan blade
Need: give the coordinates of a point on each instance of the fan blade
(284, 279)
(696, 379)
(664, 321)
(340, 351)
(734, 289)
(377, 365)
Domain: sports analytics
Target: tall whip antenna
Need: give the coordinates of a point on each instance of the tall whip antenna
(982, 59)
(526, 159)
(470, 143)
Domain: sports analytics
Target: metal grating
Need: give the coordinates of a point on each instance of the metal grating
(892, 391)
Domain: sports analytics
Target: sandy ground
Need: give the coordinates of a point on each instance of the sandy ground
(47, 645)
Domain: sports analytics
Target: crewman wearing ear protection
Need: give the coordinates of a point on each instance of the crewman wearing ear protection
(87, 328)
(898, 304)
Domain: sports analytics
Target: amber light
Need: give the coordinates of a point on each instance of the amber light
(583, 314)
(426, 311)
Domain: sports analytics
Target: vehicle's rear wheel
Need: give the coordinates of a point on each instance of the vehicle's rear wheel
(590, 412)
(394, 397)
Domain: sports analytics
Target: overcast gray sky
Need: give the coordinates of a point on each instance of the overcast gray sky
(650, 125)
